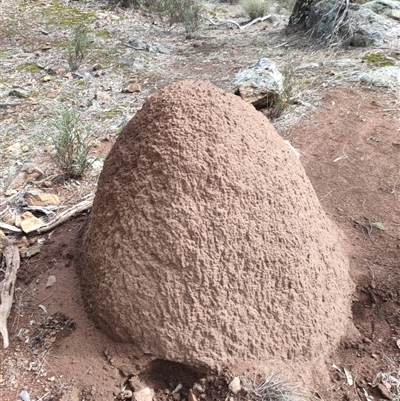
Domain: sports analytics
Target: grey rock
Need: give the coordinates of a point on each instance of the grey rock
(259, 84)
(395, 14)
(364, 37)
(139, 44)
(382, 6)
(383, 77)
(344, 62)
(19, 92)
(365, 25)
(307, 66)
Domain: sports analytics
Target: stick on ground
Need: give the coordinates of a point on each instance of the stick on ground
(11, 256)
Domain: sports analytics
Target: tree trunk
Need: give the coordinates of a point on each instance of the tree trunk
(300, 12)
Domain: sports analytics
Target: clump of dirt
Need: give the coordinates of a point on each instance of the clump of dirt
(207, 244)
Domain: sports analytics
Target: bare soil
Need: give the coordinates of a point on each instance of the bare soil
(348, 136)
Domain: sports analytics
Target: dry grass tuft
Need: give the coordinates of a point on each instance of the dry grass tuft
(255, 8)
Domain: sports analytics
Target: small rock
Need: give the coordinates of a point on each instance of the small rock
(176, 397)
(343, 62)
(191, 396)
(307, 66)
(97, 67)
(19, 92)
(34, 173)
(31, 251)
(23, 243)
(235, 385)
(51, 280)
(132, 88)
(98, 74)
(102, 96)
(28, 222)
(383, 77)
(384, 391)
(47, 78)
(126, 394)
(198, 388)
(24, 395)
(259, 84)
(68, 76)
(51, 95)
(97, 165)
(14, 147)
(2, 234)
(47, 184)
(35, 198)
(145, 394)
(157, 48)
(395, 14)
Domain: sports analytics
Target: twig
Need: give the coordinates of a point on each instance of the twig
(231, 22)
(67, 214)
(282, 44)
(7, 286)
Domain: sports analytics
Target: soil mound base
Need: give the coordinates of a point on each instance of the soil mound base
(206, 244)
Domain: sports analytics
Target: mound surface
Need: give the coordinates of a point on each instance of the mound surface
(206, 243)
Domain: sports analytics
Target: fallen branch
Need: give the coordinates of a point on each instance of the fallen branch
(66, 215)
(11, 256)
(220, 24)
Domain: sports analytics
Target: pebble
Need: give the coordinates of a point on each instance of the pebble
(235, 385)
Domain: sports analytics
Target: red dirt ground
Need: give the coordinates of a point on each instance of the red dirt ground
(350, 148)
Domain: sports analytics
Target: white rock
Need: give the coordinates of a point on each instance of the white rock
(384, 77)
(145, 394)
(259, 84)
(235, 386)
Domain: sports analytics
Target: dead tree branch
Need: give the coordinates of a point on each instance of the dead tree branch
(7, 286)
(221, 24)
(66, 215)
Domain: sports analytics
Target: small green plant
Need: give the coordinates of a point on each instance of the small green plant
(255, 8)
(72, 143)
(77, 46)
(379, 60)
